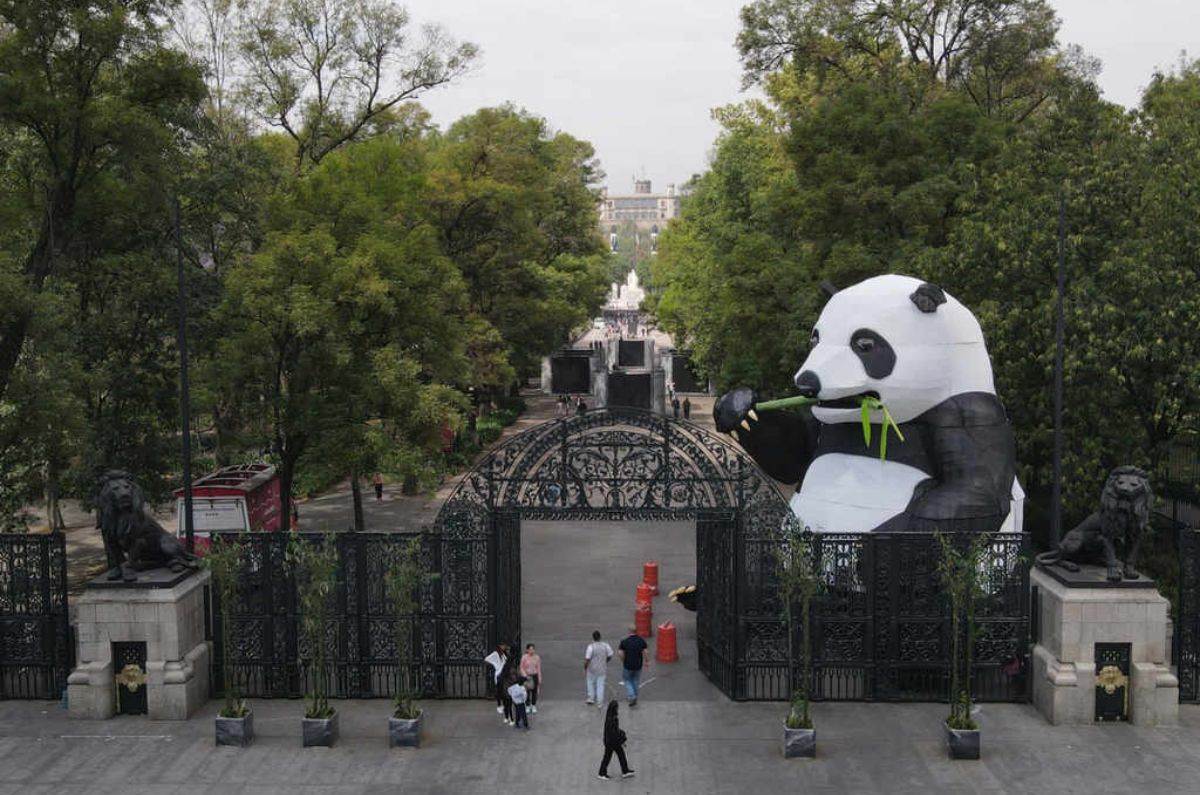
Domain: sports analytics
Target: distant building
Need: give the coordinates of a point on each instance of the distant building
(649, 211)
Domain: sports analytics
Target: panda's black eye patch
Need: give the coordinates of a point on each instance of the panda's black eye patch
(876, 354)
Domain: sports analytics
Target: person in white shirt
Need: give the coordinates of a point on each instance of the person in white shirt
(518, 694)
(595, 668)
(496, 660)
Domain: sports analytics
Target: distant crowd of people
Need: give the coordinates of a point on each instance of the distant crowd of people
(566, 404)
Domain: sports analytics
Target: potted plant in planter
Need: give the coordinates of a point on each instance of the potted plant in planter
(798, 583)
(959, 570)
(314, 566)
(225, 559)
(405, 577)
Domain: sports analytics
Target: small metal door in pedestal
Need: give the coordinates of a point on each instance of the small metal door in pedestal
(129, 665)
(1112, 681)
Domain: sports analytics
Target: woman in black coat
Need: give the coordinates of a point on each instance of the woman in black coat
(614, 743)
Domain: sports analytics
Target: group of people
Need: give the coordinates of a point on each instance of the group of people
(686, 406)
(517, 685)
(565, 403)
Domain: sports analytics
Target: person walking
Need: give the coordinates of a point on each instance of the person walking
(581, 406)
(531, 669)
(497, 660)
(614, 743)
(518, 694)
(632, 650)
(675, 407)
(378, 481)
(595, 668)
(687, 409)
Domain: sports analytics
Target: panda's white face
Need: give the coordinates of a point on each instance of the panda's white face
(873, 339)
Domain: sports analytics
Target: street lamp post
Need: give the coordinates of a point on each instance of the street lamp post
(185, 407)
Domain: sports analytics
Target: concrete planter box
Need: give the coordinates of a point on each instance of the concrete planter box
(238, 732)
(404, 733)
(799, 743)
(963, 743)
(320, 732)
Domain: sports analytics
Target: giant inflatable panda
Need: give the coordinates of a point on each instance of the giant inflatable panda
(921, 353)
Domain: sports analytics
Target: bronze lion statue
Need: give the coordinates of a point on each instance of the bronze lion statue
(133, 540)
(1123, 518)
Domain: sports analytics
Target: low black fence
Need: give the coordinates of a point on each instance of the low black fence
(881, 626)
(268, 651)
(36, 648)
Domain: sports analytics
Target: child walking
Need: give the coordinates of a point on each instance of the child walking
(518, 694)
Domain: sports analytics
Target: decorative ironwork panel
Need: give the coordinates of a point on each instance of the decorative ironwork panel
(36, 649)
(1187, 616)
(716, 588)
(268, 654)
(615, 463)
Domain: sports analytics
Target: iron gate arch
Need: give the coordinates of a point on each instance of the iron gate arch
(621, 464)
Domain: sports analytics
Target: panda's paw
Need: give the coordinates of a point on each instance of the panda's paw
(734, 413)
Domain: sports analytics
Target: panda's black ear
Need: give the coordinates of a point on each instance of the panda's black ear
(928, 297)
(828, 289)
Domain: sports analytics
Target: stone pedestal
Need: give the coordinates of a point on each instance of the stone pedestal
(162, 610)
(1076, 612)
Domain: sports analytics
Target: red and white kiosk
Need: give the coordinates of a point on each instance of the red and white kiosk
(234, 498)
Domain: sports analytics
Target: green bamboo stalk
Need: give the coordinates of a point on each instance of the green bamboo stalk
(784, 403)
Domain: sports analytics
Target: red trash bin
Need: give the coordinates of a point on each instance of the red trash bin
(643, 618)
(665, 648)
(650, 575)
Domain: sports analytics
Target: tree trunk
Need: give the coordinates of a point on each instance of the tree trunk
(360, 524)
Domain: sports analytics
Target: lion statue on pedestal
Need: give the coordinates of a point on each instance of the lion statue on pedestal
(1123, 518)
(133, 540)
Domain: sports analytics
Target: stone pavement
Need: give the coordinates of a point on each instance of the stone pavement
(675, 746)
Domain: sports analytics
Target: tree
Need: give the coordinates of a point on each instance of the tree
(1131, 377)
(326, 71)
(516, 208)
(347, 323)
(88, 92)
(721, 266)
(1003, 54)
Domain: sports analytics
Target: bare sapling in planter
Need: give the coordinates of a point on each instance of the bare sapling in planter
(962, 558)
(405, 579)
(798, 584)
(225, 559)
(314, 565)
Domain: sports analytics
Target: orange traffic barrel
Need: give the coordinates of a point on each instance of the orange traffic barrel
(645, 593)
(665, 648)
(650, 574)
(643, 618)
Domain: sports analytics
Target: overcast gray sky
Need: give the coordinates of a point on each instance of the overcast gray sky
(638, 78)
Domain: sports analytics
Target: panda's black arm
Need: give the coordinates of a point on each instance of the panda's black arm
(975, 459)
(781, 442)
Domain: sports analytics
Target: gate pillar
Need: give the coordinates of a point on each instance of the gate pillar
(1102, 654)
(162, 613)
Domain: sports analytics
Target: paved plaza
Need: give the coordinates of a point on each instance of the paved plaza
(685, 737)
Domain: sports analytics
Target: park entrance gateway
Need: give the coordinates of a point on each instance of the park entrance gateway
(881, 628)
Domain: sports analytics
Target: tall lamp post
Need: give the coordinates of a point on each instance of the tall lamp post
(185, 407)
(1056, 498)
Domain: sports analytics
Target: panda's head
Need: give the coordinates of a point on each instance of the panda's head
(896, 338)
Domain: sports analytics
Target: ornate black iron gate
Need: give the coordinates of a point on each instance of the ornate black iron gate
(881, 625)
(455, 621)
(36, 652)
